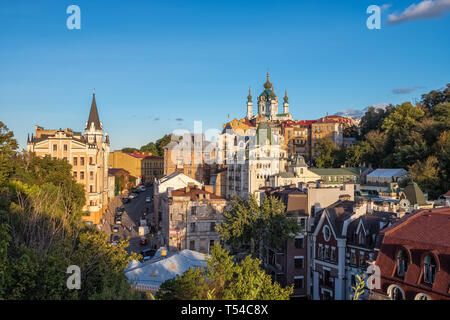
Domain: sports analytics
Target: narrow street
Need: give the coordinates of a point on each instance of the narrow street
(134, 210)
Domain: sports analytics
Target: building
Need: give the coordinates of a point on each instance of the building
(190, 216)
(189, 155)
(414, 257)
(383, 177)
(88, 155)
(152, 168)
(339, 176)
(288, 265)
(148, 276)
(161, 188)
(145, 166)
(296, 173)
(121, 180)
(251, 159)
(343, 243)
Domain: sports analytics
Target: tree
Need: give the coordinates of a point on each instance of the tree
(8, 147)
(129, 150)
(150, 148)
(249, 226)
(373, 119)
(329, 155)
(426, 174)
(224, 279)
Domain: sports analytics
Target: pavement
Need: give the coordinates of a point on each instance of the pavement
(130, 220)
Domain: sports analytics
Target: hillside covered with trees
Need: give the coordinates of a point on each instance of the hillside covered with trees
(411, 136)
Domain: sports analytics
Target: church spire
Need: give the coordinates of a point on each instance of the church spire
(93, 115)
(249, 97)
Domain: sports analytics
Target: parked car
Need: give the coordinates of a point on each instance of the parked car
(148, 252)
(141, 188)
(115, 229)
(118, 220)
(125, 200)
(115, 240)
(148, 199)
(132, 196)
(143, 241)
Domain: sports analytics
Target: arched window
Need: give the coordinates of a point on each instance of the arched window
(429, 269)
(422, 296)
(361, 238)
(402, 263)
(395, 293)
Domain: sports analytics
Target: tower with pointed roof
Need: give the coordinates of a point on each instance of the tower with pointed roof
(88, 155)
(285, 103)
(249, 105)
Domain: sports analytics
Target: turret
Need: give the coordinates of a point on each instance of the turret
(286, 103)
(249, 105)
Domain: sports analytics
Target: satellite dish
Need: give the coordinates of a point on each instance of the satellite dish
(404, 203)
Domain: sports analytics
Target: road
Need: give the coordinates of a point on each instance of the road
(130, 218)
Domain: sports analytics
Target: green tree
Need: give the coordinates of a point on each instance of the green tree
(224, 279)
(249, 226)
(427, 175)
(329, 155)
(129, 149)
(150, 148)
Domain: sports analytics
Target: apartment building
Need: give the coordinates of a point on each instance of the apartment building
(88, 155)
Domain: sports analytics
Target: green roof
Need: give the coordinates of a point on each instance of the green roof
(286, 175)
(414, 194)
(336, 171)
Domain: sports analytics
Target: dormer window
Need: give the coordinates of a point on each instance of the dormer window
(429, 269)
(361, 238)
(402, 263)
(326, 233)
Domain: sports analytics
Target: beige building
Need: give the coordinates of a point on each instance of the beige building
(190, 216)
(189, 155)
(140, 165)
(88, 155)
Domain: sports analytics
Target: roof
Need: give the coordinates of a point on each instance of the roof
(447, 194)
(93, 115)
(414, 194)
(157, 270)
(138, 155)
(117, 171)
(421, 233)
(430, 226)
(387, 173)
(193, 192)
(294, 200)
(336, 171)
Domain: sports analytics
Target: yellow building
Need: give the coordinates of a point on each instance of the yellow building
(139, 165)
(86, 153)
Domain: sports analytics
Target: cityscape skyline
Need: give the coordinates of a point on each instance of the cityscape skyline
(162, 68)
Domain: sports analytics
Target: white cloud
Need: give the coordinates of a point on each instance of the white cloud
(386, 6)
(427, 9)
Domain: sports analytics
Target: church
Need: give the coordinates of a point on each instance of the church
(88, 155)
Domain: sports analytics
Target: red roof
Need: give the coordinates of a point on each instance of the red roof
(423, 232)
(193, 193)
(137, 154)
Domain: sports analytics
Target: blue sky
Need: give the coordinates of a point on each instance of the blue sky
(152, 62)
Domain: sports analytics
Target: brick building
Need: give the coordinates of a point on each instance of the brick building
(414, 257)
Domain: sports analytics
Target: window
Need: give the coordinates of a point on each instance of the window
(402, 263)
(298, 283)
(326, 233)
(192, 226)
(353, 258)
(65, 147)
(212, 227)
(326, 254)
(396, 293)
(298, 262)
(429, 270)
(333, 254)
(82, 175)
(91, 175)
(211, 245)
(361, 238)
(320, 251)
(362, 259)
(75, 174)
(192, 245)
(194, 211)
(55, 147)
(75, 161)
(91, 188)
(299, 243)
(91, 161)
(82, 161)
